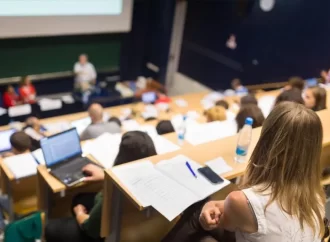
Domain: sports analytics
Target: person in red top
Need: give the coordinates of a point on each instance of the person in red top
(10, 97)
(27, 91)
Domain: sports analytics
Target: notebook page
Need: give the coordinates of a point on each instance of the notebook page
(39, 156)
(176, 169)
(21, 165)
(105, 149)
(163, 145)
(150, 187)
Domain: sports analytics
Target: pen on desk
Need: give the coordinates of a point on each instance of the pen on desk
(191, 170)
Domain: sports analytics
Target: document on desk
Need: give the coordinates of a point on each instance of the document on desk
(219, 165)
(105, 149)
(151, 188)
(163, 145)
(39, 156)
(50, 104)
(33, 134)
(21, 165)
(169, 186)
(130, 125)
(20, 110)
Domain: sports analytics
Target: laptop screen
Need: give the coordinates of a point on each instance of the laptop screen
(5, 139)
(149, 97)
(311, 82)
(60, 147)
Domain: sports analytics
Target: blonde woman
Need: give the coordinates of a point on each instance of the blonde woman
(282, 199)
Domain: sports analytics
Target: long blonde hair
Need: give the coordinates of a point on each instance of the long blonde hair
(286, 160)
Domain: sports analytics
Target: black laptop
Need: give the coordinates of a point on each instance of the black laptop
(63, 157)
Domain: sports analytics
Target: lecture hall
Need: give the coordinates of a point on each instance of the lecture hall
(164, 121)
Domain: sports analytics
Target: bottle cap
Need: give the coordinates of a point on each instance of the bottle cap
(249, 121)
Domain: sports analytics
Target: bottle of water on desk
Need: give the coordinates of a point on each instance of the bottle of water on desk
(244, 140)
(182, 131)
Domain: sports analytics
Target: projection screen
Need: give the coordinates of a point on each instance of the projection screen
(27, 18)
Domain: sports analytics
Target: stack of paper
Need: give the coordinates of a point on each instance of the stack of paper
(68, 99)
(219, 166)
(169, 186)
(50, 104)
(207, 132)
(19, 110)
(163, 145)
(39, 156)
(57, 127)
(181, 103)
(21, 165)
(33, 134)
(105, 149)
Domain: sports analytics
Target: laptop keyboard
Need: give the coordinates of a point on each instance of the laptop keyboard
(72, 171)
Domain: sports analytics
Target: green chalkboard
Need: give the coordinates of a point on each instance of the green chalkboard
(41, 55)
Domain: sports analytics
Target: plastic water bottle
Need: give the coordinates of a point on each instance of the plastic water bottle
(244, 140)
(182, 131)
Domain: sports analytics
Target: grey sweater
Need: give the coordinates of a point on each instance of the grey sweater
(95, 130)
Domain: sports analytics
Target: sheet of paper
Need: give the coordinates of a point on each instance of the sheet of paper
(68, 99)
(208, 132)
(149, 129)
(150, 111)
(130, 125)
(163, 145)
(213, 96)
(57, 127)
(81, 124)
(176, 169)
(266, 104)
(3, 111)
(33, 134)
(50, 104)
(193, 115)
(22, 165)
(105, 149)
(39, 156)
(150, 187)
(207, 104)
(219, 166)
(181, 103)
(162, 106)
(19, 110)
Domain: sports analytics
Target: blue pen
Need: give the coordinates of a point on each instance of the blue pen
(190, 169)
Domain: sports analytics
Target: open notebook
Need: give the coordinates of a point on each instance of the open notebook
(168, 186)
(106, 147)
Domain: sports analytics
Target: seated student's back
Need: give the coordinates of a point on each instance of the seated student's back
(115, 120)
(164, 127)
(248, 99)
(315, 98)
(292, 95)
(98, 126)
(252, 111)
(296, 82)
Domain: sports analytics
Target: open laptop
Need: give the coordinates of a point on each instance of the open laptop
(5, 144)
(63, 157)
(149, 97)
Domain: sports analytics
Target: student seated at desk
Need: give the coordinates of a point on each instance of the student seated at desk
(10, 97)
(252, 111)
(248, 99)
(164, 127)
(282, 199)
(292, 95)
(216, 113)
(87, 208)
(315, 98)
(98, 126)
(27, 91)
(20, 142)
(295, 82)
(238, 87)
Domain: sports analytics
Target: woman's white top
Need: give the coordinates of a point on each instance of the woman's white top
(274, 225)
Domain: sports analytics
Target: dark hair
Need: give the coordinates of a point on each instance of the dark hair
(135, 145)
(20, 141)
(222, 103)
(249, 99)
(164, 127)
(252, 111)
(320, 96)
(292, 95)
(115, 120)
(297, 82)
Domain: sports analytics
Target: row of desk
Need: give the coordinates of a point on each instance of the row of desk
(123, 216)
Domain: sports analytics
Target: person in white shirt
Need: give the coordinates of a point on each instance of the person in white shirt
(85, 74)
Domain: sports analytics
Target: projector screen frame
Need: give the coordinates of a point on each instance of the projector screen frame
(40, 26)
